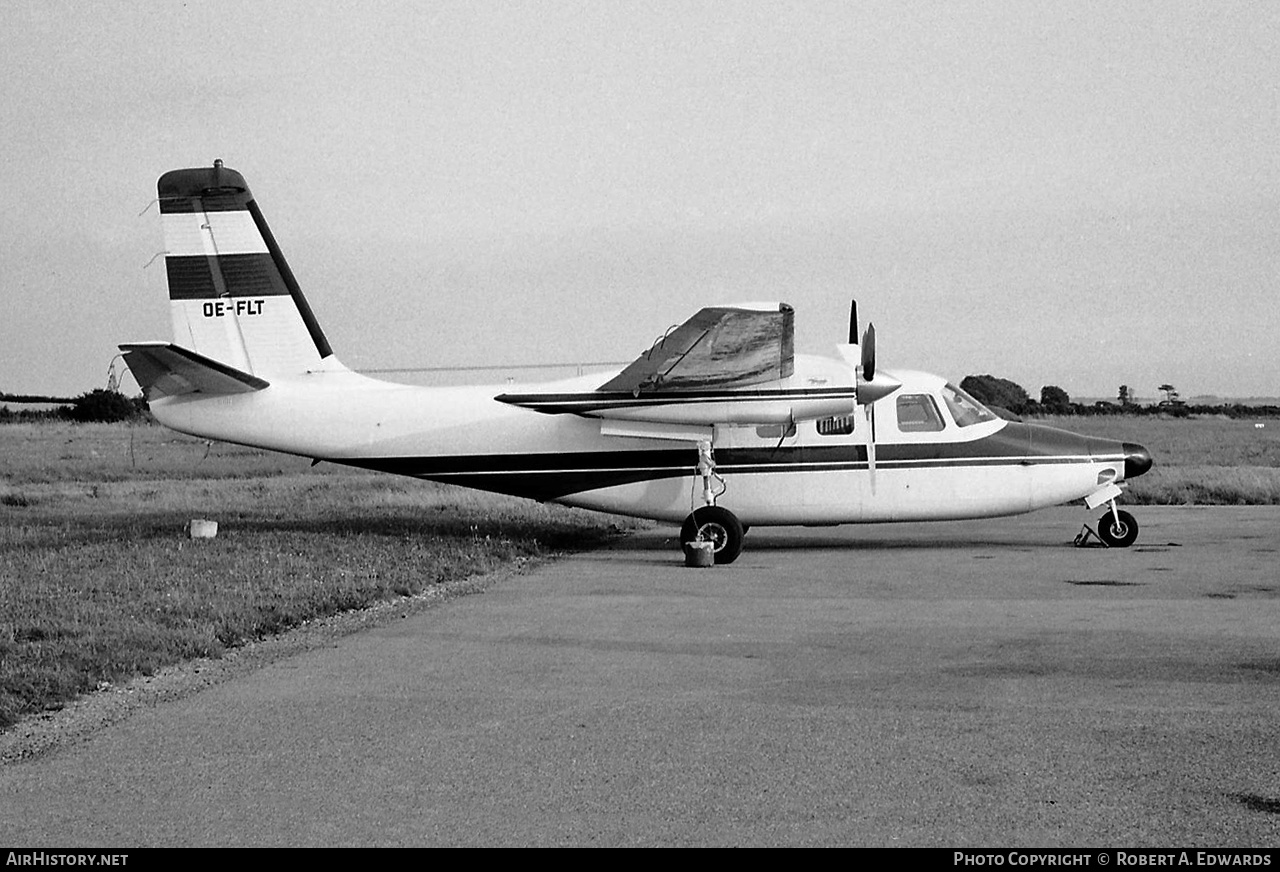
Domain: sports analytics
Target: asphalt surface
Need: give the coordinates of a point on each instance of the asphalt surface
(959, 684)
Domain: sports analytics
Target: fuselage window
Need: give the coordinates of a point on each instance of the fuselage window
(917, 413)
(838, 425)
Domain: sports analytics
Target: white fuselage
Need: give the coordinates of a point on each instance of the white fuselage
(816, 472)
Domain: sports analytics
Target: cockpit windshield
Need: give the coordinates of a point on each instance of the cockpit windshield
(964, 408)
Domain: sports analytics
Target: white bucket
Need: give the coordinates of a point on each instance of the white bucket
(199, 528)
(699, 554)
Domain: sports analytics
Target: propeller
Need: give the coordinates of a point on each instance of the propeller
(871, 386)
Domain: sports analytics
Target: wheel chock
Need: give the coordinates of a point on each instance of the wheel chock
(1086, 533)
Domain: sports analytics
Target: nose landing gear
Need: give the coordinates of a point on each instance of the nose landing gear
(1116, 529)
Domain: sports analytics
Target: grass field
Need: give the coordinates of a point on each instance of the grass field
(99, 583)
(1198, 461)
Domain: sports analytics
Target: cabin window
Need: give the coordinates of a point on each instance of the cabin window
(775, 431)
(917, 413)
(837, 425)
(964, 408)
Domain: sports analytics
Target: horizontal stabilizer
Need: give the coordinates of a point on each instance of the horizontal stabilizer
(167, 370)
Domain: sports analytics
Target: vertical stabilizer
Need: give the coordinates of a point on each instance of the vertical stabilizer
(232, 296)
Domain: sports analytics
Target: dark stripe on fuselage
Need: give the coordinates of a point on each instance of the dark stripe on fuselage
(549, 476)
(541, 476)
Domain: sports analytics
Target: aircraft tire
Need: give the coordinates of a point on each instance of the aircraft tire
(718, 526)
(1120, 535)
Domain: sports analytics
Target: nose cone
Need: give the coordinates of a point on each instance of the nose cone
(1137, 460)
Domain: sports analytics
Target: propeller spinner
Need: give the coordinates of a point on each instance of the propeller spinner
(873, 386)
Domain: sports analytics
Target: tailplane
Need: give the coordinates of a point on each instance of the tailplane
(232, 297)
(167, 370)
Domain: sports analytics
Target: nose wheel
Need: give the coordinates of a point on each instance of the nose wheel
(1117, 529)
(718, 526)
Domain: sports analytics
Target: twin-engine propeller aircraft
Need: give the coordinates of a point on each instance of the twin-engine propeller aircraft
(720, 425)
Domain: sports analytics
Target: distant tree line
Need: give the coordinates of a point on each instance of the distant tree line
(98, 405)
(1004, 395)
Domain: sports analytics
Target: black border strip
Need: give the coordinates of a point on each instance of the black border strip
(304, 308)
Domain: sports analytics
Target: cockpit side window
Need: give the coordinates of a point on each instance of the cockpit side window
(917, 413)
(964, 408)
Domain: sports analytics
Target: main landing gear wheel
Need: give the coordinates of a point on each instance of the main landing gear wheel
(718, 526)
(1119, 530)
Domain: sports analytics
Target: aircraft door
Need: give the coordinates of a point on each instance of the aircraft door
(834, 459)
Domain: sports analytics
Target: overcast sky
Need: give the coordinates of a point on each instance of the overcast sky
(1079, 194)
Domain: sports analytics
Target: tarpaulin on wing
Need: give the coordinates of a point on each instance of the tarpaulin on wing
(722, 346)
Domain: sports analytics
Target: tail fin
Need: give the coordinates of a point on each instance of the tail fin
(232, 296)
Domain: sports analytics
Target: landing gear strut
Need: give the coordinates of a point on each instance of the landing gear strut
(709, 522)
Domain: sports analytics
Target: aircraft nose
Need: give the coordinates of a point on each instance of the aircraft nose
(1137, 460)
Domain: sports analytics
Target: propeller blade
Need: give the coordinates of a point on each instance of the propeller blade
(869, 353)
(871, 446)
(849, 351)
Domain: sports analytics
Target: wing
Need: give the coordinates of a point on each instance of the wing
(720, 347)
(728, 365)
